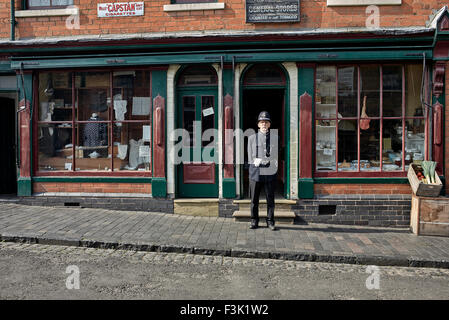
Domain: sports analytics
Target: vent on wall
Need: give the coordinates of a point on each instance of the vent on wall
(71, 204)
(327, 209)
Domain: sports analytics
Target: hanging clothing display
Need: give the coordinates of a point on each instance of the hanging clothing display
(95, 134)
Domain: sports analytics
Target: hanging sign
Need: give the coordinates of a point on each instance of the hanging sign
(120, 9)
(272, 11)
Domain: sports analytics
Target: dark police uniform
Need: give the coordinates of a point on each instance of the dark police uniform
(265, 147)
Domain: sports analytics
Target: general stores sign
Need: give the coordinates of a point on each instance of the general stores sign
(272, 11)
(119, 9)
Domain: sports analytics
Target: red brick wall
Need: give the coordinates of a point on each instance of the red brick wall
(314, 14)
(327, 189)
(446, 126)
(89, 187)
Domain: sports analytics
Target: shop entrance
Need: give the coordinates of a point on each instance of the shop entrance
(271, 100)
(8, 176)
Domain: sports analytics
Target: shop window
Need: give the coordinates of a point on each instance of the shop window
(94, 121)
(368, 119)
(46, 4)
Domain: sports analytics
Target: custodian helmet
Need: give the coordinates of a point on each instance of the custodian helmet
(264, 116)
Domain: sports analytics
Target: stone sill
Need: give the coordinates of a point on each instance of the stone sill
(193, 6)
(46, 13)
(331, 3)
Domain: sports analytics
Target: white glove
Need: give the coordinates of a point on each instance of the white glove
(257, 161)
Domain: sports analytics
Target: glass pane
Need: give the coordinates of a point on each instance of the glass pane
(198, 75)
(370, 90)
(347, 145)
(370, 146)
(325, 145)
(39, 3)
(264, 74)
(207, 119)
(188, 117)
(8, 82)
(132, 146)
(55, 96)
(92, 149)
(61, 2)
(413, 74)
(347, 91)
(93, 99)
(392, 91)
(325, 92)
(414, 141)
(132, 99)
(55, 147)
(392, 145)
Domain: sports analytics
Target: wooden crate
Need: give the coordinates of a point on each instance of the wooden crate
(430, 216)
(423, 189)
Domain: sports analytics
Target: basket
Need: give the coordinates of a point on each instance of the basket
(423, 189)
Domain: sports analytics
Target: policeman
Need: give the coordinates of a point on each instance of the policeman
(262, 158)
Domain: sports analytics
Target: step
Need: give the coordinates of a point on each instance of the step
(280, 216)
(203, 207)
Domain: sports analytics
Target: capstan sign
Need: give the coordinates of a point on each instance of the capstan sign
(120, 9)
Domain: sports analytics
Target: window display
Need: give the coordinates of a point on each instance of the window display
(368, 118)
(83, 128)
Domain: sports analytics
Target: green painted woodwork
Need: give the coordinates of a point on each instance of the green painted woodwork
(24, 187)
(249, 56)
(159, 187)
(195, 153)
(305, 188)
(229, 185)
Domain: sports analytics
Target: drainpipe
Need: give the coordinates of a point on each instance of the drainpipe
(13, 20)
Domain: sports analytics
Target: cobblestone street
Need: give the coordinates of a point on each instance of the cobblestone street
(34, 271)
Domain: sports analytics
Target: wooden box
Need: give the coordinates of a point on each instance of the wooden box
(423, 189)
(430, 216)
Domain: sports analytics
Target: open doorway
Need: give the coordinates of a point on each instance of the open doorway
(254, 101)
(8, 185)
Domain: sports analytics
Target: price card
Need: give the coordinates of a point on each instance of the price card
(327, 152)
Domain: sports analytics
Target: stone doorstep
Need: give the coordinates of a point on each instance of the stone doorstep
(280, 216)
(196, 207)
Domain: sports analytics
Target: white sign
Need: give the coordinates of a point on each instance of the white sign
(208, 112)
(120, 9)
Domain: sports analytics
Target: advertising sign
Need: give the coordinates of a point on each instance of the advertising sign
(272, 11)
(120, 9)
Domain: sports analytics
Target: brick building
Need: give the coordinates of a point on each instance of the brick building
(356, 89)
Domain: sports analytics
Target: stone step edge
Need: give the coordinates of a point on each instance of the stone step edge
(237, 253)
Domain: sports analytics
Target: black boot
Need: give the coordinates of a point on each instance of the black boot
(254, 224)
(270, 225)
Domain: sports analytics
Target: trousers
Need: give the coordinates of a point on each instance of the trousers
(254, 191)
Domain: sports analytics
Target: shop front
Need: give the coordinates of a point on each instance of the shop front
(143, 130)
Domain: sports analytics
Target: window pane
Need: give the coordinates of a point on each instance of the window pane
(325, 92)
(325, 145)
(264, 74)
(207, 119)
(93, 91)
(370, 146)
(198, 75)
(347, 145)
(132, 99)
(188, 117)
(392, 145)
(55, 96)
(392, 91)
(93, 152)
(38, 3)
(347, 91)
(413, 74)
(55, 147)
(370, 88)
(61, 2)
(414, 141)
(132, 146)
